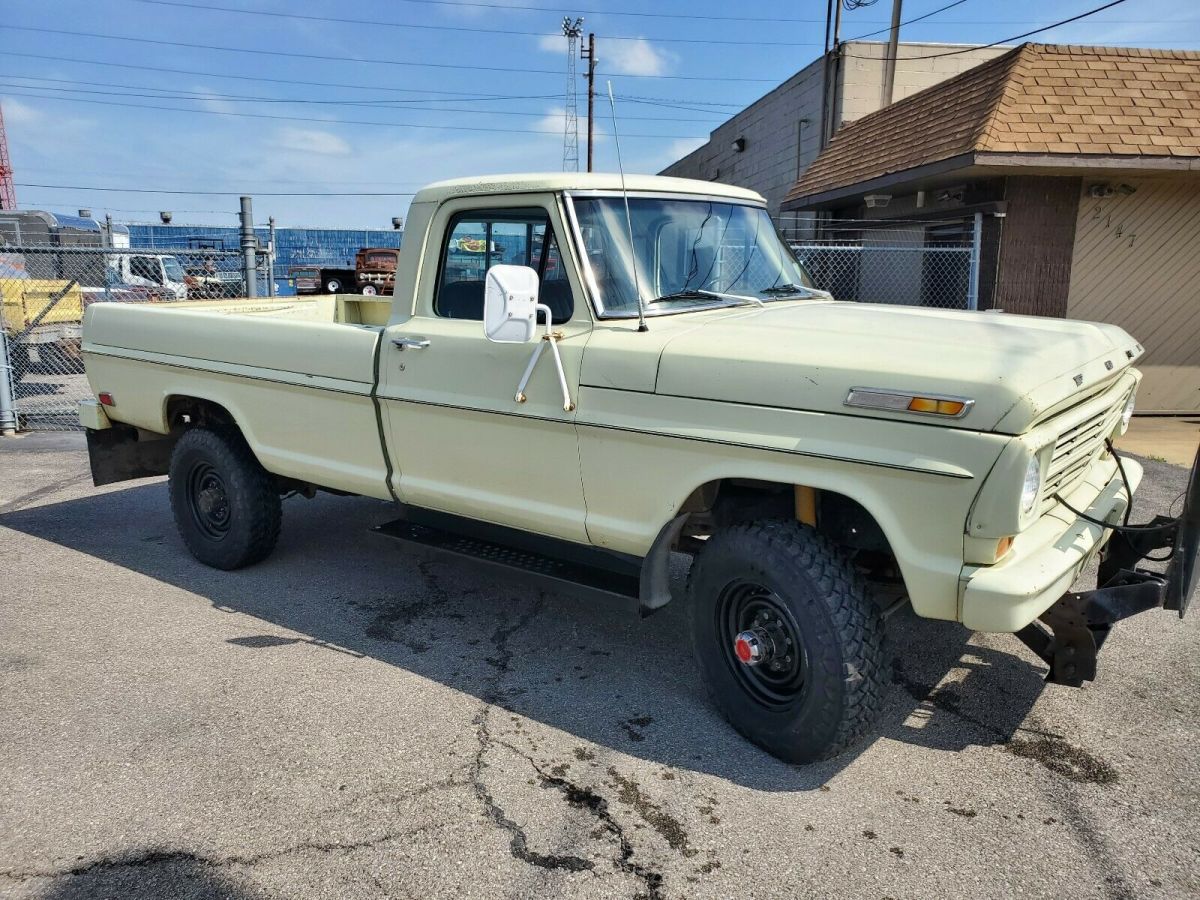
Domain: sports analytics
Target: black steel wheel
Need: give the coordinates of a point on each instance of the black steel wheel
(790, 645)
(746, 607)
(226, 505)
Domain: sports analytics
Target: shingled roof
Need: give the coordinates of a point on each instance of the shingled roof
(1043, 99)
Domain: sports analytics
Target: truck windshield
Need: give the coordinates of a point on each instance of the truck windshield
(690, 253)
(173, 269)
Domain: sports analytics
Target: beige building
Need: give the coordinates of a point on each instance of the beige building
(1077, 169)
(769, 144)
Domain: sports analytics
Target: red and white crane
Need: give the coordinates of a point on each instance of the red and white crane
(8, 194)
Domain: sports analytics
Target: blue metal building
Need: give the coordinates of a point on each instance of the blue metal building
(331, 247)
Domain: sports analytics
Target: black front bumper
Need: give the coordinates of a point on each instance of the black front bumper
(1069, 635)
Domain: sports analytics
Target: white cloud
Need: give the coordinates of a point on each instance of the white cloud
(553, 43)
(632, 57)
(17, 113)
(313, 141)
(215, 104)
(681, 147)
(552, 122)
(638, 57)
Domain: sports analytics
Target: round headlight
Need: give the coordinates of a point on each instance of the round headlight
(1032, 487)
(1127, 412)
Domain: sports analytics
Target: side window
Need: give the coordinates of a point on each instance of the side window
(476, 241)
(145, 267)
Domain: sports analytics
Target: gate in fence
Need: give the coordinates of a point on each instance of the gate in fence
(44, 292)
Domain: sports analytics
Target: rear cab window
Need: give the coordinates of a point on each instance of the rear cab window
(476, 240)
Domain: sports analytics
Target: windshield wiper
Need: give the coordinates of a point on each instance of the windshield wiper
(701, 294)
(790, 289)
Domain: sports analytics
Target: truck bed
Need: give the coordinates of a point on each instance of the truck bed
(296, 373)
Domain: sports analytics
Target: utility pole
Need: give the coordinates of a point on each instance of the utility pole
(889, 61)
(249, 245)
(572, 29)
(590, 55)
(271, 256)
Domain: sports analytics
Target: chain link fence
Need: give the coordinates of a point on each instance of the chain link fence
(885, 261)
(44, 292)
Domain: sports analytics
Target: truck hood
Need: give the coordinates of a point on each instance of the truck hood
(809, 354)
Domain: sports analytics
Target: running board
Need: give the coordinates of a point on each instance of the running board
(555, 564)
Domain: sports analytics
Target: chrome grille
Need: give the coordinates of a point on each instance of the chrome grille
(1076, 450)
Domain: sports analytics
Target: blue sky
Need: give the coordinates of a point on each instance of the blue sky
(262, 132)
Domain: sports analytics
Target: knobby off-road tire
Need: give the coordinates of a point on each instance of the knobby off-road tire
(830, 693)
(226, 505)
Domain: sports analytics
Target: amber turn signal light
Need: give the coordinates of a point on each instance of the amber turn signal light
(937, 407)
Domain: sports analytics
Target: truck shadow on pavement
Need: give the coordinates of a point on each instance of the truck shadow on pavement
(593, 671)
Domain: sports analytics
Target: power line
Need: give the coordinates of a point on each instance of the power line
(909, 21)
(1015, 37)
(508, 7)
(123, 190)
(258, 51)
(212, 95)
(168, 94)
(117, 209)
(426, 26)
(308, 120)
(301, 83)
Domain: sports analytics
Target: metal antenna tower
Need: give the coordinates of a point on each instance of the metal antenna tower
(572, 29)
(8, 194)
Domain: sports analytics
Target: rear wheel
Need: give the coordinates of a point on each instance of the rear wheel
(333, 286)
(226, 505)
(787, 639)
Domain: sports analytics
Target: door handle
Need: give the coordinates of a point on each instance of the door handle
(410, 343)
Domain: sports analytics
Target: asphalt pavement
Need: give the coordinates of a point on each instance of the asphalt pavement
(351, 718)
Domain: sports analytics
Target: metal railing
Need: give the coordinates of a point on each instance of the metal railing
(45, 291)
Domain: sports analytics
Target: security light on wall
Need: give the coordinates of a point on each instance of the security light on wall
(877, 201)
(397, 222)
(85, 213)
(739, 144)
(165, 216)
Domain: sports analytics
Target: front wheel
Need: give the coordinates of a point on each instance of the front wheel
(369, 290)
(788, 641)
(226, 505)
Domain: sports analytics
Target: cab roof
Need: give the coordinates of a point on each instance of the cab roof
(544, 182)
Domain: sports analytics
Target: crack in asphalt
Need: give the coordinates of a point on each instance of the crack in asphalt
(576, 796)
(492, 694)
(1050, 750)
(587, 799)
(162, 856)
(395, 617)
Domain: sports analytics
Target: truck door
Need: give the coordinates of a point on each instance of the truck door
(460, 441)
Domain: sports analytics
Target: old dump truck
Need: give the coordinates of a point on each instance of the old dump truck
(643, 368)
(375, 270)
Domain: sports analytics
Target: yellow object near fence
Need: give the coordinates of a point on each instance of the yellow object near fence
(32, 302)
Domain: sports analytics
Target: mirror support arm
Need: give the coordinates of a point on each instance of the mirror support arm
(552, 339)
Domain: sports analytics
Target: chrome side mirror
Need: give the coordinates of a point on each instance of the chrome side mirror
(510, 304)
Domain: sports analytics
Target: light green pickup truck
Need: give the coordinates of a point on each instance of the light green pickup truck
(644, 368)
